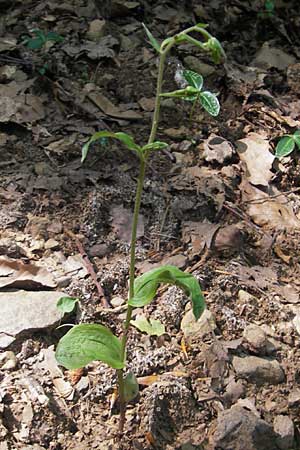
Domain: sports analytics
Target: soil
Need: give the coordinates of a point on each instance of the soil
(216, 204)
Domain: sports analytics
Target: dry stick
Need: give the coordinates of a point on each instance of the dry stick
(90, 268)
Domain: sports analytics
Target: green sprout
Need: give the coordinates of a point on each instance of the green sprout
(41, 38)
(85, 343)
(287, 143)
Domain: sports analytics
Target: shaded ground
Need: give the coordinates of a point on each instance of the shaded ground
(217, 204)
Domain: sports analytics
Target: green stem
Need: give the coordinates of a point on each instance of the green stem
(139, 190)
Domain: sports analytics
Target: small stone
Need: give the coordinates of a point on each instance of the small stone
(51, 244)
(284, 426)
(198, 66)
(117, 301)
(194, 330)
(147, 104)
(234, 391)
(240, 429)
(98, 250)
(294, 397)
(82, 384)
(256, 338)
(8, 361)
(258, 370)
(97, 30)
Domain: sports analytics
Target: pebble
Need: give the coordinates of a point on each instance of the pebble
(97, 30)
(193, 329)
(284, 426)
(8, 361)
(258, 370)
(241, 429)
(294, 397)
(256, 338)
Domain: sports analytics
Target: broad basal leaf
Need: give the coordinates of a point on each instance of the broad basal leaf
(210, 103)
(296, 137)
(157, 145)
(67, 304)
(285, 146)
(194, 79)
(152, 327)
(185, 93)
(152, 39)
(131, 387)
(123, 137)
(145, 287)
(85, 343)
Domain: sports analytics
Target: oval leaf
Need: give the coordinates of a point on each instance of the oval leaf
(152, 327)
(210, 103)
(152, 39)
(67, 304)
(157, 145)
(194, 79)
(85, 343)
(123, 137)
(285, 146)
(145, 287)
(296, 137)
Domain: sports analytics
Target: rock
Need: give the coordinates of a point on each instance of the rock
(24, 311)
(256, 338)
(234, 391)
(51, 244)
(83, 384)
(194, 63)
(8, 361)
(258, 370)
(240, 429)
(97, 30)
(117, 301)
(99, 250)
(195, 330)
(284, 426)
(294, 397)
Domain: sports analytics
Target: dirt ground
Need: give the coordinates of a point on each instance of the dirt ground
(217, 204)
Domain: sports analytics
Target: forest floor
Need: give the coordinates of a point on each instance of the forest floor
(217, 204)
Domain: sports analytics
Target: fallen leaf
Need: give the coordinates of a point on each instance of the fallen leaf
(122, 221)
(270, 210)
(15, 274)
(152, 327)
(254, 152)
(216, 148)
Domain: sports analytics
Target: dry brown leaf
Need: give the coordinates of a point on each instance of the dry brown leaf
(254, 152)
(15, 274)
(122, 221)
(216, 148)
(267, 211)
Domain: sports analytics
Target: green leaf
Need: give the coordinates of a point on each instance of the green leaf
(152, 39)
(35, 43)
(194, 79)
(296, 137)
(123, 137)
(52, 36)
(131, 387)
(157, 145)
(216, 49)
(185, 93)
(152, 327)
(89, 342)
(67, 304)
(145, 287)
(285, 146)
(210, 103)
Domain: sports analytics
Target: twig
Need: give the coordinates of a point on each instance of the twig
(260, 200)
(89, 267)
